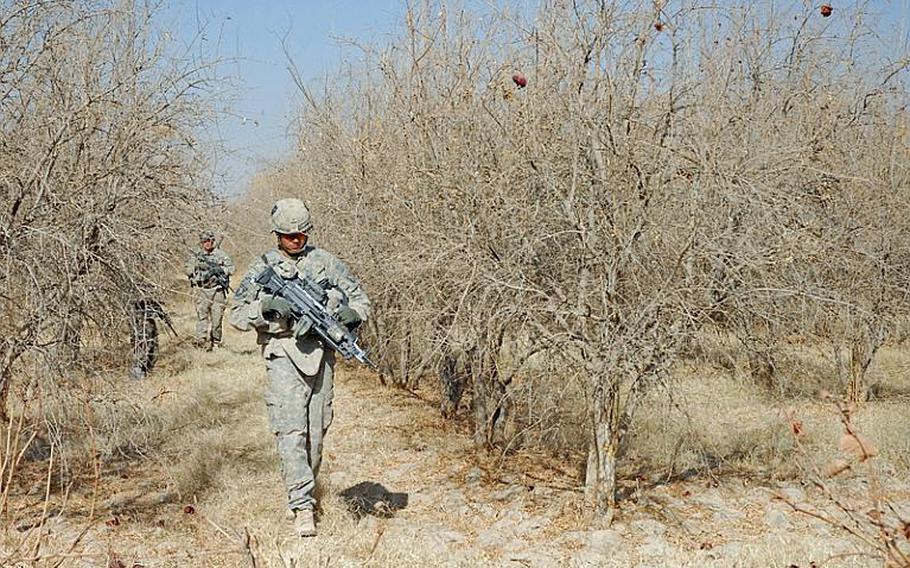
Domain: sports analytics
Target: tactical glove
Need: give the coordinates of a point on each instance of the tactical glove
(349, 317)
(274, 308)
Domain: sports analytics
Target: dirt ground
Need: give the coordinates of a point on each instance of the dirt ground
(400, 487)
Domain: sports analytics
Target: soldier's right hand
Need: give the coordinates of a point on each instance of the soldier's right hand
(274, 308)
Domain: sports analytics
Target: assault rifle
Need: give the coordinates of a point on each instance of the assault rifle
(166, 318)
(146, 308)
(308, 303)
(208, 270)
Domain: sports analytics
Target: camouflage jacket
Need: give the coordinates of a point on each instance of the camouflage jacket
(306, 352)
(202, 269)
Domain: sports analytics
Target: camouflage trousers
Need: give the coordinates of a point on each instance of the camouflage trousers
(300, 413)
(210, 303)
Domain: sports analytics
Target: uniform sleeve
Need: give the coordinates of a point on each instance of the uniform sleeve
(189, 267)
(227, 264)
(247, 311)
(344, 280)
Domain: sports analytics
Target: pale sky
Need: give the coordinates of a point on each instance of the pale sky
(255, 126)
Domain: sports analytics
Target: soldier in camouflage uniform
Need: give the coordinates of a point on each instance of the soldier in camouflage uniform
(300, 369)
(144, 338)
(209, 270)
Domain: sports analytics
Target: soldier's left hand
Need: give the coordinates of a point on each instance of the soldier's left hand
(349, 317)
(274, 308)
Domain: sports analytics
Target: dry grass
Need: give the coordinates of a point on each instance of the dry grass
(198, 434)
(713, 419)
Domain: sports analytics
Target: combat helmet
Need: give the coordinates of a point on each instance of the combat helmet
(290, 216)
(206, 236)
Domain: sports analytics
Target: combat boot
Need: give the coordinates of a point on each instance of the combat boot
(304, 523)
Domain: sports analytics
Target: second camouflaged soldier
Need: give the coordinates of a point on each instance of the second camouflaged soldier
(209, 270)
(300, 369)
(144, 337)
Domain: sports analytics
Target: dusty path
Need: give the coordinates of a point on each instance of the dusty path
(401, 488)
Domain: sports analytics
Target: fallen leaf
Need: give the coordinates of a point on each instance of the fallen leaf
(836, 467)
(856, 446)
(189, 510)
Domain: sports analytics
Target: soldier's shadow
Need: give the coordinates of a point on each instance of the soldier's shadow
(371, 498)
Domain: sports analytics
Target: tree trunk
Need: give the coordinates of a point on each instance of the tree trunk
(860, 357)
(489, 401)
(404, 360)
(380, 344)
(762, 368)
(6, 374)
(496, 423)
(481, 403)
(862, 351)
(600, 475)
(69, 341)
(490, 411)
(452, 384)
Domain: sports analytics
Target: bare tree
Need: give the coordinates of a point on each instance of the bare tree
(595, 188)
(99, 175)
